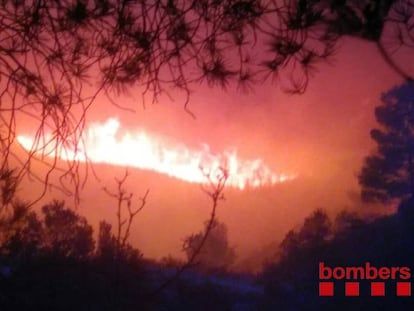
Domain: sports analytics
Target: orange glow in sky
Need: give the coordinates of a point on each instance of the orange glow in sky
(105, 144)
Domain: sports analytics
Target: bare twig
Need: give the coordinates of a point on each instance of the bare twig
(214, 190)
(124, 199)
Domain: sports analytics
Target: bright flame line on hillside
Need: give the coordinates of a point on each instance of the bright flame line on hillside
(144, 151)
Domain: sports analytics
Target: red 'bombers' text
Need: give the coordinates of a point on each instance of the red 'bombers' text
(366, 272)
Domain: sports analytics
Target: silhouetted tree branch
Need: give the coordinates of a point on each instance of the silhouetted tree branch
(123, 227)
(8, 187)
(214, 190)
(57, 57)
(124, 199)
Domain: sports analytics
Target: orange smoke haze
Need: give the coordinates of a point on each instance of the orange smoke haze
(322, 136)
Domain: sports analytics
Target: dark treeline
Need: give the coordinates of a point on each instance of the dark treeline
(51, 261)
(291, 283)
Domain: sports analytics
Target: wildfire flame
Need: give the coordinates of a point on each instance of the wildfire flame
(139, 149)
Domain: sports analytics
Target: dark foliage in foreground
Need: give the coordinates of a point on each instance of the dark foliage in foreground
(50, 262)
(44, 270)
(388, 172)
(292, 283)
